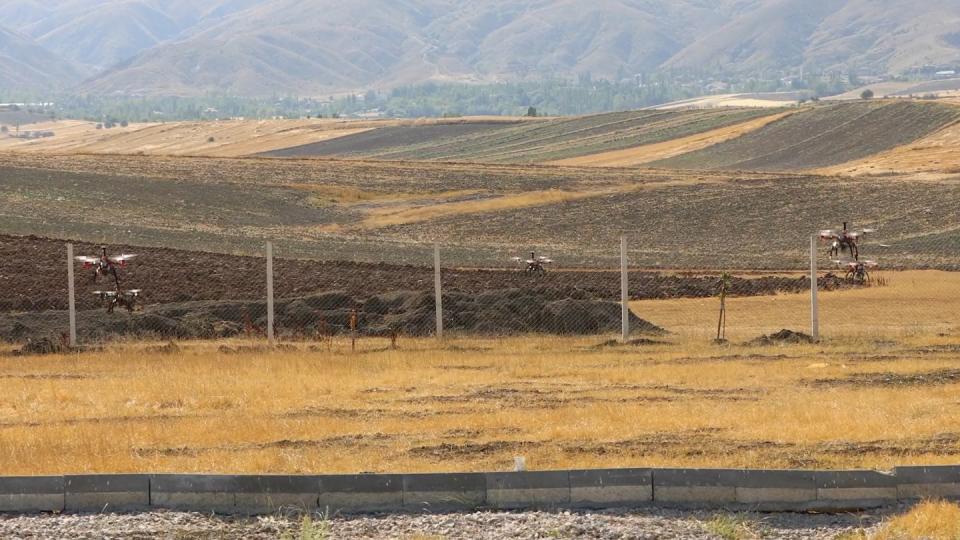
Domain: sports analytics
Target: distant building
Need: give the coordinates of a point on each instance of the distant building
(945, 74)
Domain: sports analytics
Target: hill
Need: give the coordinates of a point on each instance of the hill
(482, 214)
(822, 136)
(529, 142)
(97, 34)
(322, 47)
(26, 65)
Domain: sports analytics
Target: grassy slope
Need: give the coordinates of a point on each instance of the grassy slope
(823, 136)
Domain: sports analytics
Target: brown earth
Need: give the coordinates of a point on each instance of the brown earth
(823, 136)
(33, 278)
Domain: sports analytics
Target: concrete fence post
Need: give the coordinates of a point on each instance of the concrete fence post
(270, 292)
(814, 304)
(437, 290)
(71, 297)
(624, 292)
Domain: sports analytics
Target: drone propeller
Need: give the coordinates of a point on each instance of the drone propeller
(123, 258)
(545, 260)
(87, 260)
(868, 231)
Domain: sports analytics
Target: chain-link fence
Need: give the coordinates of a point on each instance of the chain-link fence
(58, 295)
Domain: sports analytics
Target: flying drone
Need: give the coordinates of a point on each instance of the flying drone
(106, 265)
(124, 299)
(857, 270)
(535, 265)
(844, 240)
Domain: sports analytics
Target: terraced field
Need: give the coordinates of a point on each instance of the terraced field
(529, 142)
(823, 136)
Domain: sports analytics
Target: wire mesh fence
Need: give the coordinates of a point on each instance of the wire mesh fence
(65, 295)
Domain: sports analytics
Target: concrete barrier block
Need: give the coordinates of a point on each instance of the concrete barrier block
(532, 489)
(693, 487)
(939, 481)
(772, 489)
(269, 494)
(610, 488)
(106, 492)
(845, 490)
(444, 491)
(360, 493)
(195, 492)
(27, 494)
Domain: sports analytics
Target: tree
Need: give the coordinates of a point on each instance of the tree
(4, 129)
(123, 123)
(532, 112)
(866, 94)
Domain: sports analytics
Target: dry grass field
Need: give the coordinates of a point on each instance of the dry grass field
(213, 138)
(870, 395)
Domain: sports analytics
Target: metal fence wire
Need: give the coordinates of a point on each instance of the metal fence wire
(81, 295)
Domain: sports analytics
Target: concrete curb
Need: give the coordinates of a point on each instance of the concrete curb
(735, 489)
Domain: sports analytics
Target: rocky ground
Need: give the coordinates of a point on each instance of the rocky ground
(649, 523)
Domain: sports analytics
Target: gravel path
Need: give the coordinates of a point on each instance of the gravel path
(652, 523)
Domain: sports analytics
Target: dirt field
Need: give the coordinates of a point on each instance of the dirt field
(871, 398)
(33, 276)
(822, 136)
(653, 152)
(481, 214)
(384, 139)
(935, 155)
(539, 141)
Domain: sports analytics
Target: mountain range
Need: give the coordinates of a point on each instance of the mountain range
(316, 47)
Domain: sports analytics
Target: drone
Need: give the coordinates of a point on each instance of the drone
(105, 265)
(535, 264)
(124, 299)
(857, 270)
(844, 240)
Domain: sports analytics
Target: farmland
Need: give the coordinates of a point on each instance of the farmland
(481, 214)
(860, 399)
(823, 136)
(532, 142)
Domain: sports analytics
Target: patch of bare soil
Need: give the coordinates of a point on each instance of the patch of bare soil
(927, 378)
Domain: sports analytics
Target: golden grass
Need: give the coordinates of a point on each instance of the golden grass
(393, 215)
(667, 149)
(231, 138)
(930, 520)
(474, 404)
(912, 302)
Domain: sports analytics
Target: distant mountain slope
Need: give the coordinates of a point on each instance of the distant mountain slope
(101, 33)
(318, 47)
(885, 35)
(25, 65)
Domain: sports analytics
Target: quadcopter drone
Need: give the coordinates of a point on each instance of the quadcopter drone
(124, 299)
(105, 265)
(535, 264)
(857, 270)
(844, 240)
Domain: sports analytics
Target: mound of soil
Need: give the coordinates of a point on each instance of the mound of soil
(411, 313)
(783, 336)
(33, 277)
